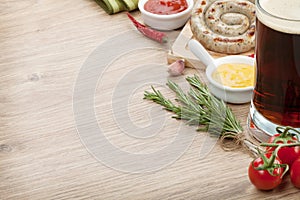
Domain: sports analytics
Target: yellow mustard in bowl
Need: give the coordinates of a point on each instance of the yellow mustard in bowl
(235, 75)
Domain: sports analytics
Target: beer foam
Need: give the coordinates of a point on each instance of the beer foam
(286, 12)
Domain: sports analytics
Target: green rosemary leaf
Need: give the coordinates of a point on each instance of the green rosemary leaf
(198, 107)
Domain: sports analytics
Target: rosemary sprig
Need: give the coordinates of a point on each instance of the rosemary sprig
(199, 107)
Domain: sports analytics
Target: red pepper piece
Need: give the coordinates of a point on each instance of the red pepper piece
(148, 32)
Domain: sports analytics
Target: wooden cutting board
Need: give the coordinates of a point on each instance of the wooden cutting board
(180, 49)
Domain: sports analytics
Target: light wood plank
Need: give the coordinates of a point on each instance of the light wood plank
(44, 44)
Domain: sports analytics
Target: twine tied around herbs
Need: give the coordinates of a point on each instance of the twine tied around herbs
(232, 141)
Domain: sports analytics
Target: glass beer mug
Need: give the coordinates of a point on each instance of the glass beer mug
(276, 96)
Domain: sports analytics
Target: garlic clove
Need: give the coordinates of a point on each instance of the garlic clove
(176, 68)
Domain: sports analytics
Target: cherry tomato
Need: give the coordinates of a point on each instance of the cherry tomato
(261, 178)
(286, 154)
(295, 173)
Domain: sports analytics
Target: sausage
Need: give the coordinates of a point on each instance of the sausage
(224, 26)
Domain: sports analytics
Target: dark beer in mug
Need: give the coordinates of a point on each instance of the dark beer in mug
(276, 96)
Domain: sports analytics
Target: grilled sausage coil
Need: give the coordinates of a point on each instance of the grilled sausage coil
(224, 26)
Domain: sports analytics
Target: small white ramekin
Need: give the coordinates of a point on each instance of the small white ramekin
(165, 22)
(229, 94)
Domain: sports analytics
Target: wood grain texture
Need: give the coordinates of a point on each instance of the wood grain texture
(44, 44)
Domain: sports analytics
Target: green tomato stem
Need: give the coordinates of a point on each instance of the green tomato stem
(286, 132)
(281, 145)
(286, 169)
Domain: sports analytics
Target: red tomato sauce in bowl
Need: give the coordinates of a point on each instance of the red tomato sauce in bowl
(165, 7)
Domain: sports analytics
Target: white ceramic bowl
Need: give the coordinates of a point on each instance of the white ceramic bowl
(165, 22)
(229, 94)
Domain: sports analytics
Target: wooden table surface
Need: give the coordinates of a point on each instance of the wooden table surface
(55, 66)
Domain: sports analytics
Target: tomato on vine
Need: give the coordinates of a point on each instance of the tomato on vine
(286, 154)
(295, 173)
(266, 171)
